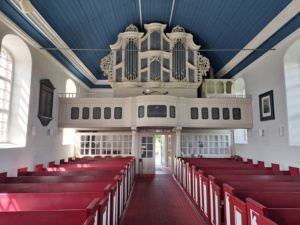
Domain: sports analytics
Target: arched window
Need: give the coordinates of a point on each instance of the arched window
(240, 87)
(71, 89)
(16, 68)
(6, 76)
(68, 133)
(240, 135)
(292, 83)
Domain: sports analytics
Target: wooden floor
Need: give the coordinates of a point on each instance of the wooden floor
(158, 200)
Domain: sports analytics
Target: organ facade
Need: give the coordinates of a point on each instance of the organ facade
(155, 78)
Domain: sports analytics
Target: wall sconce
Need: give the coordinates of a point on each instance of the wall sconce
(250, 132)
(281, 131)
(50, 132)
(261, 132)
(33, 131)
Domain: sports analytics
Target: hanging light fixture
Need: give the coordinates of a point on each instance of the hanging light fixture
(26, 6)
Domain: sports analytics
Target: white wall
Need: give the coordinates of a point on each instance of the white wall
(41, 148)
(264, 75)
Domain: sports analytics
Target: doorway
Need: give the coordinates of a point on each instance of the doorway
(155, 153)
(161, 155)
(160, 150)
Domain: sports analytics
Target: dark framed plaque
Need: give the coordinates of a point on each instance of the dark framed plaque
(46, 101)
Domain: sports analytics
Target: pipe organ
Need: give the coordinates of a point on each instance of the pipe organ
(155, 59)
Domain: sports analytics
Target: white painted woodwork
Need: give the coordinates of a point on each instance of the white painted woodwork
(148, 164)
(227, 202)
(130, 109)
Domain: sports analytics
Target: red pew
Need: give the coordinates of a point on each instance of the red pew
(53, 202)
(235, 201)
(62, 217)
(271, 216)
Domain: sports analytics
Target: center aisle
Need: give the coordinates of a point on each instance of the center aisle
(159, 200)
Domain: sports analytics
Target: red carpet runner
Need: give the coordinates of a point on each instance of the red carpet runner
(159, 201)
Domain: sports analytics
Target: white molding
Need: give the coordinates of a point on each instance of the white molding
(10, 24)
(293, 36)
(101, 82)
(36, 18)
(102, 90)
(4, 19)
(280, 20)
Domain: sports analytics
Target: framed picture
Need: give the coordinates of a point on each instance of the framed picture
(266, 106)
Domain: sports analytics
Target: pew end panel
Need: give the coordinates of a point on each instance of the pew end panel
(228, 210)
(294, 171)
(250, 161)
(204, 196)
(103, 211)
(22, 171)
(239, 211)
(275, 167)
(255, 211)
(51, 164)
(90, 221)
(215, 195)
(260, 164)
(108, 193)
(195, 180)
(3, 177)
(39, 167)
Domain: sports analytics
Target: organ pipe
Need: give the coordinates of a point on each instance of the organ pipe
(179, 61)
(131, 61)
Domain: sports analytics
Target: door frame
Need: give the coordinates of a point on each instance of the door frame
(139, 143)
(146, 162)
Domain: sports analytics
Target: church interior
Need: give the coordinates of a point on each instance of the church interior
(189, 104)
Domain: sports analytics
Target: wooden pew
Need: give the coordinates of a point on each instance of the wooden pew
(103, 188)
(215, 183)
(94, 171)
(198, 184)
(275, 197)
(271, 216)
(72, 179)
(128, 167)
(54, 202)
(214, 192)
(62, 217)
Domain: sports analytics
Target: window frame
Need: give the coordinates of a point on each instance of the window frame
(10, 94)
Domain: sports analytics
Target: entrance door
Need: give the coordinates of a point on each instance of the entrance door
(147, 146)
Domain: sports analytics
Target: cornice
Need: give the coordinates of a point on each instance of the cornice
(279, 21)
(291, 37)
(10, 24)
(36, 18)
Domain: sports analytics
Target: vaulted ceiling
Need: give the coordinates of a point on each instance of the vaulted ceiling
(221, 27)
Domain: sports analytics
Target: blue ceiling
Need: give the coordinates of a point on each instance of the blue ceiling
(215, 24)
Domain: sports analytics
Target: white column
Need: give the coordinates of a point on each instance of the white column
(134, 149)
(178, 132)
(134, 144)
